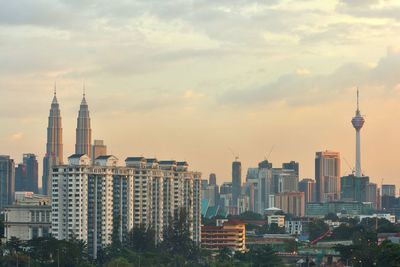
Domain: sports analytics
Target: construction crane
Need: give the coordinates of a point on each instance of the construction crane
(269, 154)
(350, 168)
(233, 154)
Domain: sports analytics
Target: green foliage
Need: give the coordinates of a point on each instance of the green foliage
(120, 262)
(389, 254)
(262, 255)
(141, 239)
(331, 216)
(317, 228)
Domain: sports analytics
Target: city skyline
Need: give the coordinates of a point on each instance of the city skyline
(165, 80)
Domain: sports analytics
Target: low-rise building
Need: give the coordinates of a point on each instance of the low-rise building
(278, 219)
(29, 217)
(391, 218)
(351, 208)
(294, 227)
(231, 234)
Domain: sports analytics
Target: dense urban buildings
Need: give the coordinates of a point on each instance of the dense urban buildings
(291, 203)
(54, 146)
(90, 200)
(354, 188)
(327, 176)
(389, 190)
(7, 181)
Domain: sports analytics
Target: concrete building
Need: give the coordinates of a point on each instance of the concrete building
(265, 188)
(83, 131)
(387, 216)
(54, 146)
(29, 217)
(327, 176)
(295, 227)
(277, 219)
(284, 180)
(231, 234)
(212, 180)
(236, 180)
(7, 181)
(307, 186)
(389, 190)
(354, 188)
(98, 149)
(291, 202)
(93, 201)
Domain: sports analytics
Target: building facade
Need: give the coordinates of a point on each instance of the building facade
(93, 202)
(26, 174)
(83, 131)
(327, 176)
(291, 202)
(307, 186)
(354, 188)
(236, 180)
(98, 149)
(389, 190)
(29, 217)
(7, 181)
(231, 235)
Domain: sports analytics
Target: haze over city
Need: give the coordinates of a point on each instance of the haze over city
(189, 80)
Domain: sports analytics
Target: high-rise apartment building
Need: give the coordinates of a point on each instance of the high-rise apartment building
(83, 130)
(54, 146)
(307, 186)
(389, 190)
(284, 180)
(327, 176)
(94, 201)
(98, 149)
(236, 180)
(7, 181)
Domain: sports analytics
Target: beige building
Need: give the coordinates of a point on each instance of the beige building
(29, 217)
(291, 202)
(98, 149)
(278, 219)
(327, 176)
(231, 234)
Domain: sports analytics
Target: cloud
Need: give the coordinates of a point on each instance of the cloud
(299, 89)
(16, 136)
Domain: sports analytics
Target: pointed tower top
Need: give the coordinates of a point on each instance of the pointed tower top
(55, 94)
(84, 95)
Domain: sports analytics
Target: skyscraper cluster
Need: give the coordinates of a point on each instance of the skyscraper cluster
(95, 200)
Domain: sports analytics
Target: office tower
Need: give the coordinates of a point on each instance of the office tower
(291, 202)
(83, 130)
(226, 188)
(252, 174)
(327, 176)
(389, 190)
(284, 180)
(249, 189)
(354, 188)
(20, 177)
(292, 165)
(372, 194)
(31, 163)
(212, 179)
(358, 122)
(105, 199)
(54, 146)
(98, 149)
(264, 186)
(307, 186)
(7, 181)
(236, 180)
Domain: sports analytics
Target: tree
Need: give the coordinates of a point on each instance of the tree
(317, 228)
(291, 246)
(120, 262)
(262, 255)
(141, 239)
(388, 254)
(331, 216)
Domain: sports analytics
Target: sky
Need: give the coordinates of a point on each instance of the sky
(194, 79)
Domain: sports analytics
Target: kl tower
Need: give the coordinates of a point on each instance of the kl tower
(358, 123)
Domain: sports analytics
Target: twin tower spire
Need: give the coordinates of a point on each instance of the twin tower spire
(54, 146)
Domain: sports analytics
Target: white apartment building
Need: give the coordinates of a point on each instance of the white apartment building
(94, 201)
(278, 219)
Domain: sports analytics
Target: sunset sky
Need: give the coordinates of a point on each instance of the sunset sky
(191, 79)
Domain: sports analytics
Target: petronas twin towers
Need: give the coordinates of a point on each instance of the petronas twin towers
(54, 146)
